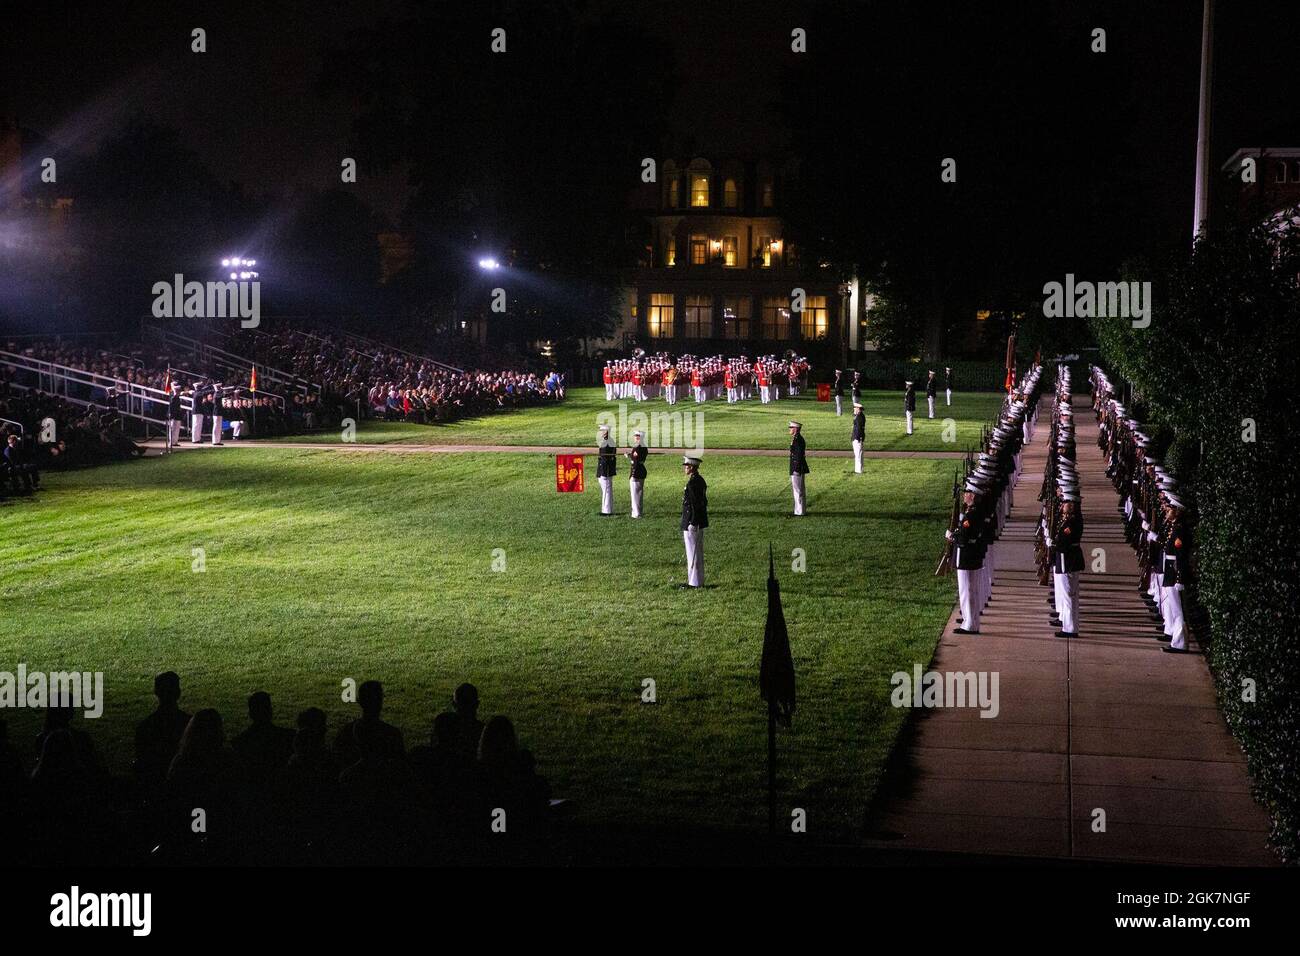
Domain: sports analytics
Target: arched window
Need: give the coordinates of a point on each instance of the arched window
(674, 193)
(699, 189)
(730, 194)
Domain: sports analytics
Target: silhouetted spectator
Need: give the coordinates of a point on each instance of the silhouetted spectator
(507, 779)
(60, 718)
(468, 727)
(377, 793)
(387, 738)
(158, 736)
(204, 776)
(309, 789)
(263, 749)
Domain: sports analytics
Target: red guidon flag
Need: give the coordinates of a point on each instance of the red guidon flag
(568, 473)
(823, 391)
(252, 380)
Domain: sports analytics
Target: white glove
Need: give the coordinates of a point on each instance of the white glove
(691, 527)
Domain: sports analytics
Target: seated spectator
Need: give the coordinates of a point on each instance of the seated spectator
(202, 795)
(468, 727)
(158, 735)
(263, 749)
(386, 738)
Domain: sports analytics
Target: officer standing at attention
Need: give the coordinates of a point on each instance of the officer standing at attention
(606, 468)
(197, 400)
(1067, 563)
(695, 518)
(636, 483)
(947, 383)
(968, 557)
(174, 416)
(909, 404)
(839, 393)
(857, 386)
(216, 413)
(931, 386)
(798, 466)
(859, 436)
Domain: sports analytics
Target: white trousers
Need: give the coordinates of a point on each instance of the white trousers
(764, 393)
(236, 428)
(968, 599)
(1171, 609)
(173, 433)
(929, 401)
(216, 429)
(948, 393)
(699, 393)
(694, 541)
(839, 405)
(857, 457)
(606, 495)
(796, 483)
(609, 391)
(196, 428)
(909, 422)
(1067, 600)
(635, 487)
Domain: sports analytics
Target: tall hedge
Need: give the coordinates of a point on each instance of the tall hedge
(1222, 354)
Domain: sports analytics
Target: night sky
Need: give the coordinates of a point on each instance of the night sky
(76, 72)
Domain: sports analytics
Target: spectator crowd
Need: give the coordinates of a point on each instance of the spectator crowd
(271, 794)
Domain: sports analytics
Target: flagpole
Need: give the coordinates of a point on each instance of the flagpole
(771, 766)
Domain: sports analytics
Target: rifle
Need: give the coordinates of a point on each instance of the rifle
(945, 560)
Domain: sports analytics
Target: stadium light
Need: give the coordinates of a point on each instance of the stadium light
(489, 264)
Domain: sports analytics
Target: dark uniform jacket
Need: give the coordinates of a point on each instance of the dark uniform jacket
(174, 407)
(607, 462)
(860, 426)
(216, 402)
(839, 388)
(1069, 556)
(909, 399)
(931, 386)
(695, 503)
(857, 392)
(638, 453)
(968, 541)
(1177, 557)
(798, 456)
(947, 379)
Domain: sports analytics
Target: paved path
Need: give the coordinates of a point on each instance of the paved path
(155, 446)
(1104, 720)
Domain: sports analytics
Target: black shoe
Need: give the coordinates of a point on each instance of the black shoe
(1174, 650)
(686, 587)
(962, 630)
(1066, 634)
(1162, 637)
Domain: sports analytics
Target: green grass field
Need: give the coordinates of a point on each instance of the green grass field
(744, 425)
(323, 565)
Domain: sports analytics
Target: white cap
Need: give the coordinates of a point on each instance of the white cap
(688, 460)
(603, 429)
(794, 424)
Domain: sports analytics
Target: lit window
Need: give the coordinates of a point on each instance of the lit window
(699, 316)
(670, 251)
(730, 195)
(735, 317)
(699, 190)
(729, 247)
(776, 317)
(699, 250)
(659, 320)
(812, 321)
(765, 250)
(769, 197)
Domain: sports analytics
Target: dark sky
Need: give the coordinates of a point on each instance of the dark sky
(75, 72)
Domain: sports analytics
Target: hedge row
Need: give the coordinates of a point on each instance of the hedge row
(1217, 367)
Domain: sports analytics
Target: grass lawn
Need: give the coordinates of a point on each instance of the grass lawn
(324, 565)
(744, 425)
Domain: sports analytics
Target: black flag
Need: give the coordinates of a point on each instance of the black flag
(776, 673)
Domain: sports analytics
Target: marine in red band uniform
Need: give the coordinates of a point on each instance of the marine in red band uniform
(730, 378)
(609, 383)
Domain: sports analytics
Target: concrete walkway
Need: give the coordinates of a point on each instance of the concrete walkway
(155, 446)
(1104, 721)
